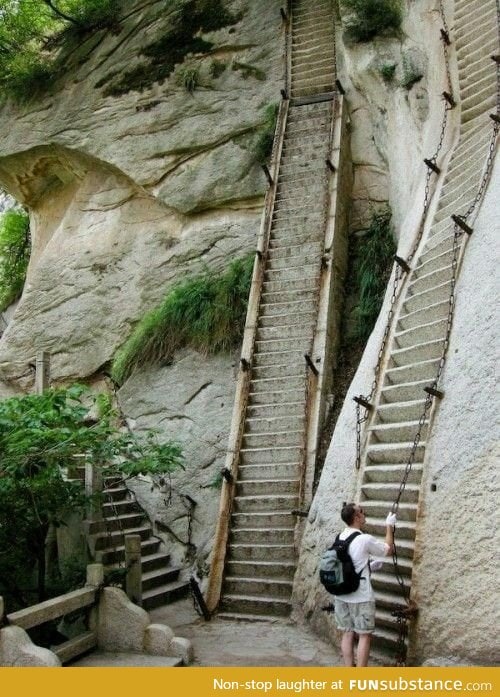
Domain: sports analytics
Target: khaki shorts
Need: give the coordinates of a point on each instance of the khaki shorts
(355, 617)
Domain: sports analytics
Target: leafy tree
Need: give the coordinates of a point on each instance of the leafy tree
(30, 28)
(40, 435)
(15, 248)
(368, 18)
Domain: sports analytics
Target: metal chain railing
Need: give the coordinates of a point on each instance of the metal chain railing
(460, 228)
(459, 231)
(363, 402)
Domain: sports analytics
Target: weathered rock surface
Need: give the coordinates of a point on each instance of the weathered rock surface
(129, 193)
(191, 402)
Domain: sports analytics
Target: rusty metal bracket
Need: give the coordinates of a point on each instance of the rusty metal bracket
(363, 402)
(269, 178)
(330, 165)
(445, 37)
(462, 224)
(432, 165)
(449, 98)
(311, 365)
(402, 263)
(433, 392)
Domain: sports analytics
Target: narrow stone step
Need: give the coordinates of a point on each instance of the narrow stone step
(407, 512)
(424, 333)
(404, 392)
(148, 547)
(388, 474)
(398, 432)
(267, 587)
(263, 552)
(416, 354)
(283, 290)
(426, 315)
(277, 424)
(382, 491)
(406, 530)
(262, 536)
(270, 487)
(423, 370)
(267, 358)
(162, 595)
(160, 577)
(393, 453)
(286, 332)
(272, 439)
(119, 493)
(157, 560)
(431, 296)
(288, 319)
(276, 397)
(280, 259)
(119, 508)
(259, 606)
(281, 570)
(111, 539)
(271, 384)
(113, 523)
(431, 278)
(300, 343)
(266, 519)
(388, 601)
(270, 411)
(261, 504)
(266, 456)
(394, 412)
(286, 471)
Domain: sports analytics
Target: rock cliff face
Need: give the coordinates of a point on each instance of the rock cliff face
(129, 191)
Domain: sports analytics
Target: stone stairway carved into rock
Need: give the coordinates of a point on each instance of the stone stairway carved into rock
(122, 515)
(420, 324)
(261, 556)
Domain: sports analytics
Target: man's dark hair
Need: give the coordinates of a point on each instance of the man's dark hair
(348, 512)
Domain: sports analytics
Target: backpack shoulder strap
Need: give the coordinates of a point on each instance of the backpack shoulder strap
(351, 537)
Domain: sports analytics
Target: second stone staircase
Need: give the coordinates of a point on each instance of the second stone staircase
(261, 554)
(421, 322)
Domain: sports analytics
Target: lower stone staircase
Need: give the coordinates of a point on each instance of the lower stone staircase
(421, 322)
(122, 515)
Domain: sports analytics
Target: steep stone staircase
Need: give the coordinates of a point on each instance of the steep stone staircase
(122, 515)
(260, 558)
(420, 326)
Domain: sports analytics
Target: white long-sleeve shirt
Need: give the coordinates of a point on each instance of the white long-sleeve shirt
(361, 549)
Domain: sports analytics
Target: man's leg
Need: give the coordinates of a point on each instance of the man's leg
(347, 646)
(363, 652)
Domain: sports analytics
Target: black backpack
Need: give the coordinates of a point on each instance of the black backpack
(336, 570)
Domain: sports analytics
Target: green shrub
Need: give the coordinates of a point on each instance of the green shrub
(412, 73)
(387, 71)
(15, 248)
(264, 142)
(368, 18)
(217, 68)
(188, 76)
(30, 32)
(206, 312)
(248, 70)
(373, 262)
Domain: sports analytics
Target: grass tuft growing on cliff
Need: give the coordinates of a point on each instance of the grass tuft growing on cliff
(264, 143)
(373, 261)
(206, 312)
(369, 18)
(15, 249)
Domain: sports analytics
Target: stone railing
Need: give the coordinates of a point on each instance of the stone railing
(109, 610)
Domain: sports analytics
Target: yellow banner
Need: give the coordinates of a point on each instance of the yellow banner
(249, 682)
